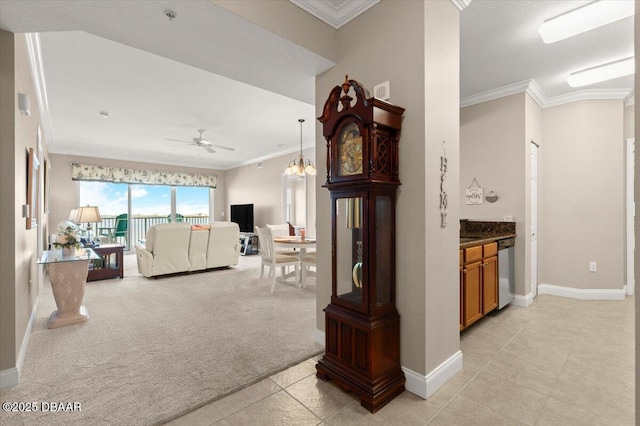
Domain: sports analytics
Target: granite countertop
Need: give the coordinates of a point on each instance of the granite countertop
(466, 242)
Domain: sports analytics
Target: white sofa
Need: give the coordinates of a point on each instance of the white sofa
(178, 247)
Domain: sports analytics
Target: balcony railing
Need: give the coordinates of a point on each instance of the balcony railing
(138, 225)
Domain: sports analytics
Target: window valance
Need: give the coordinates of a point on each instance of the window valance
(146, 177)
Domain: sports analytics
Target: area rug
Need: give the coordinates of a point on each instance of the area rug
(155, 349)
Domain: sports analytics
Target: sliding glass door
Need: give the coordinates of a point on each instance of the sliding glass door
(145, 205)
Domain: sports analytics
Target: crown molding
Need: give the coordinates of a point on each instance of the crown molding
(461, 4)
(37, 72)
(590, 94)
(536, 93)
(630, 99)
(532, 88)
(295, 151)
(500, 92)
(336, 16)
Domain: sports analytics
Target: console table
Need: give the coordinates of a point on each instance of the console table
(248, 243)
(110, 265)
(68, 276)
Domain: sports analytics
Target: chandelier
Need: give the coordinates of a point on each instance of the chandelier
(298, 166)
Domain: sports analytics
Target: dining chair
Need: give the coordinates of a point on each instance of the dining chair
(305, 265)
(273, 260)
(282, 231)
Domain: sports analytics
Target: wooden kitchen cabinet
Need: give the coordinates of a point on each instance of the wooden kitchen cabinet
(472, 291)
(478, 282)
(489, 284)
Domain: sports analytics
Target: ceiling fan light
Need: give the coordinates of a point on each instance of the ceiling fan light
(585, 18)
(604, 72)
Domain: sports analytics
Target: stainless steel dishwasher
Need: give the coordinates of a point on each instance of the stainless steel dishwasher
(506, 272)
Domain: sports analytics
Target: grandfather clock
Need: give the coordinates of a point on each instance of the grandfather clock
(362, 325)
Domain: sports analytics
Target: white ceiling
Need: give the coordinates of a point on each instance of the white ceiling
(248, 87)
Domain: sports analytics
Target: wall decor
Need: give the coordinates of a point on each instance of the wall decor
(32, 189)
(47, 184)
(443, 194)
(491, 197)
(475, 194)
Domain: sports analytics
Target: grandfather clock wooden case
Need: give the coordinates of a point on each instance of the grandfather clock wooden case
(362, 324)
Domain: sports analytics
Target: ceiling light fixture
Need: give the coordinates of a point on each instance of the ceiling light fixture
(602, 73)
(585, 18)
(298, 166)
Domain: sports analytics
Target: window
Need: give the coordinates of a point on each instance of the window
(192, 204)
(150, 204)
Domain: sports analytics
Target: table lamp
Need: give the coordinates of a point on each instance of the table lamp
(88, 215)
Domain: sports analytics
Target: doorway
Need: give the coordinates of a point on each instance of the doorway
(631, 213)
(534, 219)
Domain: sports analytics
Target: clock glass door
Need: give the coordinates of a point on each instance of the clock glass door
(349, 256)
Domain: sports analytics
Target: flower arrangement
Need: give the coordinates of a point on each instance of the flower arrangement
(68, 235)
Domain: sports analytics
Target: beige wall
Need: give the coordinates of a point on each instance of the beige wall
(581, 188)
(21, 278)
(288, 20)
(494, 150)
(629, 122)
(636, 35)
(424, 77)
(262, 187)
(64, 193)
(8, 209)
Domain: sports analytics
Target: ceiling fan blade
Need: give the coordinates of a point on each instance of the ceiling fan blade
(223, 147)
(208, 148)
(178, 140)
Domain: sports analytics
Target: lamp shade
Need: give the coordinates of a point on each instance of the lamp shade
(88, 214)
(72, 215)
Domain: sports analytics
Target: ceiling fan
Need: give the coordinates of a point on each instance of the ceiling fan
(203, 143)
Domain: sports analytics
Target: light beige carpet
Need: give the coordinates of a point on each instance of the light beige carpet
(158, 348)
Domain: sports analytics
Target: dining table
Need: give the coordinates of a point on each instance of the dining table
(297, 243)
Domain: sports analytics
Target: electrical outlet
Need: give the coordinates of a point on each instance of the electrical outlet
(593, 266)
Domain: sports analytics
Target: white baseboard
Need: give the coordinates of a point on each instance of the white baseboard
(523, 301)
(11, 376)
(425, 386)
(422, 386)
(583, 293)
(319, 337)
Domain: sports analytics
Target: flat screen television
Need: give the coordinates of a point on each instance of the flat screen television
(242, 214)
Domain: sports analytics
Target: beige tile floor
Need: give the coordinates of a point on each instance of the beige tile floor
(558, 362)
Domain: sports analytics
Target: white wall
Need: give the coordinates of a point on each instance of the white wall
(582, 192)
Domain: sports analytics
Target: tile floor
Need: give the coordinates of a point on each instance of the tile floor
(558, 362)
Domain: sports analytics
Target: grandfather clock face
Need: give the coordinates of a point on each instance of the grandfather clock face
(350, 150)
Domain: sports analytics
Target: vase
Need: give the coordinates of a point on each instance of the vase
(68, 251)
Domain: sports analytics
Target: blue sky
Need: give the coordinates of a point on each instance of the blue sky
(147, 200)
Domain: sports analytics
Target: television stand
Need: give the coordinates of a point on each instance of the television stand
(248, 243)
